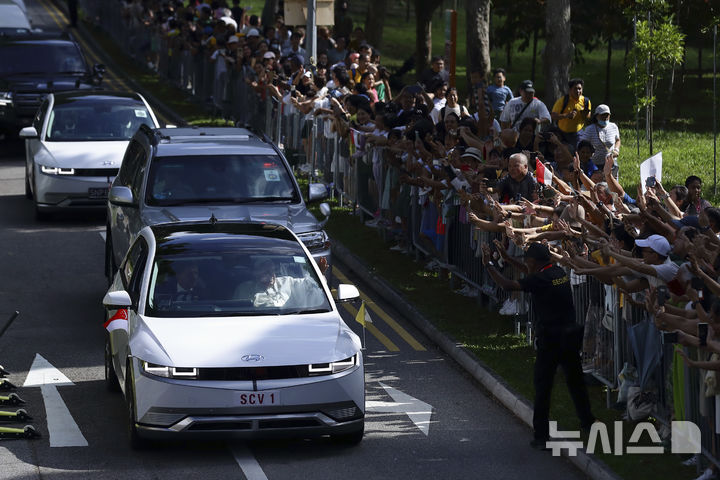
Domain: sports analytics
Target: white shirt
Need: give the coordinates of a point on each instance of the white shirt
(536, 109)
(602, 139)
(304, 292)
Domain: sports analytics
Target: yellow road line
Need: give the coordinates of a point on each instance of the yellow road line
(382, 314)
(373, 330)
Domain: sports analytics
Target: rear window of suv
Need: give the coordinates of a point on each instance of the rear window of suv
(219, 179)
(30, 58)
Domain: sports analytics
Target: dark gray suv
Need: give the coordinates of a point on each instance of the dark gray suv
(191, 174)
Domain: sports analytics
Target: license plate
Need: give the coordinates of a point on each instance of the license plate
(257, 399)
(98, 192)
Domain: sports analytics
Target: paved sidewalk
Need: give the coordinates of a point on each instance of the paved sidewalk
(516, 403)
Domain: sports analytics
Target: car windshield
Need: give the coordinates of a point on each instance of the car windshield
(219, 179)
(96, 121)
(238, 275)
(32, 58)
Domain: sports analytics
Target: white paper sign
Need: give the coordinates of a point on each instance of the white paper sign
(652, 167)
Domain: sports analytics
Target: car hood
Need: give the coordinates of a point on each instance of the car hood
(108, 154)
(293, 216)
(216, 342)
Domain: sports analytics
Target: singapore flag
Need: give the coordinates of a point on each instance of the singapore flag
(118, 321)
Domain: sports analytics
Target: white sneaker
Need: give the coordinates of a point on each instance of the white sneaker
(512, 308)
(503, 310)
(708, 474)
(691, 461)
(433, 265)
(372, 223)
(397, 248)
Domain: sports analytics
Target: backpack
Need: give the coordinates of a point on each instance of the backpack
(566, 100)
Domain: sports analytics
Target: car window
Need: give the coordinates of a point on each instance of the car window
(133, 267)
(219, 178)
(132, 167)
(238, 279)
(31, 58)
(78, 122)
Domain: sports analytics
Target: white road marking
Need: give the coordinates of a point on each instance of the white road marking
(63, 430)
(103, 235)
(418, 411)
(248, 464)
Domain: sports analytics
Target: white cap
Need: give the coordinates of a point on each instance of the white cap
(253, 32)
(233, 39)
(269, 55)
(602, 109)
(657, 243)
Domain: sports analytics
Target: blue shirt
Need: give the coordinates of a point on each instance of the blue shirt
(499, 96)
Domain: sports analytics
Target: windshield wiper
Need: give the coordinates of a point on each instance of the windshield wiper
(264, 199)
(307, 311)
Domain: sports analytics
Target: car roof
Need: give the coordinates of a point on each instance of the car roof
(183, 232)
(211, 141)
(96, 96)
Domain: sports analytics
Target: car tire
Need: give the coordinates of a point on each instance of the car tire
(350, 439)
(110, 267)
(111, 380)
(136, 441)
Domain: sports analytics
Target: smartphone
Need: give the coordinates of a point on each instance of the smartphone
(702, 329)
(669, 337)
(436, 163)
(650, 182)
(662, 295)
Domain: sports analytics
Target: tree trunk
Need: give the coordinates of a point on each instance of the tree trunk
(508, 55)
(699, 65)
(268, 13)
(607, 72)
(559, 49)
(423, 35)
(534, 55)
(478, 37)
(375, 22)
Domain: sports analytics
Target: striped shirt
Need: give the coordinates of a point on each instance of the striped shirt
(602, 140)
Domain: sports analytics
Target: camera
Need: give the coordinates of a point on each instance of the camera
(669, 337)
(702, 330)
(650, 182)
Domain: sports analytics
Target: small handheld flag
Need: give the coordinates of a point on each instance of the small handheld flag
(543, 173)
(363, 316)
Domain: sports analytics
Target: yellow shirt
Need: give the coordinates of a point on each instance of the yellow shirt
(577, 123)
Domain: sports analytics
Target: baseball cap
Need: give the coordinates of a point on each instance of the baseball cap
(657, 243)
(268, 55)
(528, 86)
(298, 58)
(354, 57)
(233, 39)
(538, 251)
(253, 32)
(602, 108)
(472, 153)
(307, 74)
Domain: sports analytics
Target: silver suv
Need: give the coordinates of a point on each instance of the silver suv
(191, 174)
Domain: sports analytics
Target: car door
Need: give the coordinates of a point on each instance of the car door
(131, 275)
(123, 218)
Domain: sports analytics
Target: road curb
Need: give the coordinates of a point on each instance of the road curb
(512, 400)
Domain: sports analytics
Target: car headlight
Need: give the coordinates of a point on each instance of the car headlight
(332, 367)
(169, 372)
(6, 98)
(317, 240)
(56, 170)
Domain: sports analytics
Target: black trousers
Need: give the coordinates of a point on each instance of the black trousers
(549, 356)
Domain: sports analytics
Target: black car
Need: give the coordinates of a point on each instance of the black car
(31, 66)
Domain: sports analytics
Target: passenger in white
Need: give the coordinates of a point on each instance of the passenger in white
(270, 290)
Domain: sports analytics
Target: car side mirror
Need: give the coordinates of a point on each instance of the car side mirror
(347, 293)
(318, 191)
(120, 195)
(116, 300)
(28, 132)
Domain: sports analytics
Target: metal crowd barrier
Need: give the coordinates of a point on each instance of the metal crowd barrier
(611, 320)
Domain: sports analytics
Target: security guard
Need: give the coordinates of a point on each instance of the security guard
(558, 337)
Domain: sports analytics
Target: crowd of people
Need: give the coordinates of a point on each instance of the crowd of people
(516, 168)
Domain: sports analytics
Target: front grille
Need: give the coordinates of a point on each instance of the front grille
(344, 414)
(253, 373)
(288, 423)
(96, 172)
(205, 426)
